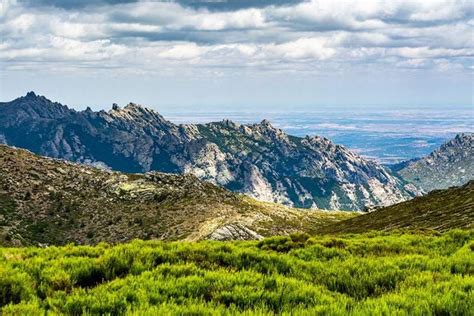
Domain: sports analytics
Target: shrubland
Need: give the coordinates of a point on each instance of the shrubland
(376, 273)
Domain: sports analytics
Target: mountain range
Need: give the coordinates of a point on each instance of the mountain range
(257, 159)
(46, 201)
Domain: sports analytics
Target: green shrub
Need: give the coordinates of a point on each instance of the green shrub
(15, 286)
(397, 273)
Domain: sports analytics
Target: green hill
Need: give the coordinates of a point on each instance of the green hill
(47, 201)
(439, 210)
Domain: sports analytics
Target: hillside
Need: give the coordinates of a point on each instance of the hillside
(49, 201)
(440, 210)
(450, 165)
(371, 274)
(257, 159)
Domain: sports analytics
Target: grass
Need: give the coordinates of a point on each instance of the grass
(397, 273)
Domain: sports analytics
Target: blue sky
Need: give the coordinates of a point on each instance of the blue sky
(264, 55)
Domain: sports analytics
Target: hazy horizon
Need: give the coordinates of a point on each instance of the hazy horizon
(386, 135)
(245, 108)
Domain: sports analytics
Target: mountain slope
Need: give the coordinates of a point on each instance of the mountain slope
(450, 165)
(50, 201)
(259, 159)
(440, 210)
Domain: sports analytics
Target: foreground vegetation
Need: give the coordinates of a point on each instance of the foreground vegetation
(402, 273)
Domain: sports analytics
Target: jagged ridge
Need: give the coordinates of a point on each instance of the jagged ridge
(450, 165)
(259, 159)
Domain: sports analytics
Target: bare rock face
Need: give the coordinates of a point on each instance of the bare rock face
(234, 232)
(450, 165)
(258, 159)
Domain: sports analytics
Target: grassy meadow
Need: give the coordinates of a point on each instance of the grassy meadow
(397, 273)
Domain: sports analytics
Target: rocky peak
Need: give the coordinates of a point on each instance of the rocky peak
(266, 123)
(133, 106)
(141, 119)
(133, 111)
(460, 145)
(33, 97)
(35, 106)
(30, 95)
(464, 139)
(130, 108)
(230, 124)
(450, 165)
(266, 128)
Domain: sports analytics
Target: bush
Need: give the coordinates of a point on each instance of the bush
(15, 286)
(402, 273)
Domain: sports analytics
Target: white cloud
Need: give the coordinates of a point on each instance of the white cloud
(183, 51)
(147, 35)
(21, 24)
(315, 48)
(5, 5)
(435, 10)
(243, 19)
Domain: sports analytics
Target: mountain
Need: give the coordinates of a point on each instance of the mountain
(450, 165)
(50, 201)
(258, 159)
(440, 210)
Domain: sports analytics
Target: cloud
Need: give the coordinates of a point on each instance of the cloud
(304, 48)
(242, 19)
(266, 35)
(72, 4)
(231, 5)
(183, 51)
(212, 5)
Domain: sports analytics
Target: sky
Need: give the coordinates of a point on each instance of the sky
(239, 54)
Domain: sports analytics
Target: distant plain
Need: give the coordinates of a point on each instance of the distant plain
(386, 135)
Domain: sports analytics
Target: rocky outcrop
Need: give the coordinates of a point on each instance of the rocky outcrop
(450, 165)
(234, 231)
(258, 159)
